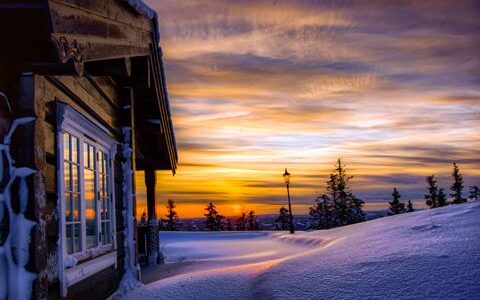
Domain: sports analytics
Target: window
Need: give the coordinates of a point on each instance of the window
(86, 198)
(87, 191)
(71, 167)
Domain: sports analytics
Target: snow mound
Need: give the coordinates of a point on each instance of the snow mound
(128, 284)
(430, 254)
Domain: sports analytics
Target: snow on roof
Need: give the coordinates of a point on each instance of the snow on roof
(146, 11)
(142, 8)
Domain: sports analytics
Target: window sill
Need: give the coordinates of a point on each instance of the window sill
(92, 253)
(90, 267)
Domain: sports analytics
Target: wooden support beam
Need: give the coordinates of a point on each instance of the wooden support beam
(120, 67)
(154, 254)
(150, 182)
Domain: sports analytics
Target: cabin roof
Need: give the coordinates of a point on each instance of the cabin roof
(117, 38)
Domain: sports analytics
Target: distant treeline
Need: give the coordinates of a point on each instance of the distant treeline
(338, 206)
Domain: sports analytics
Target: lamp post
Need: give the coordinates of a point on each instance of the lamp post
(286, 176)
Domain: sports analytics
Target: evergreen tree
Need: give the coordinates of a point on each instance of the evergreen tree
(431, 199)
(321, 213)
(338, 206)
(252, 221)
(229, 225)
(442, 198)
(172, 223)
(410, 206)
(457, 186)
(356, 211)
(347, 207)
(241, 223)
(474, 193)
(143, 219)
(282, 222)
(396, 207)
(213, 220)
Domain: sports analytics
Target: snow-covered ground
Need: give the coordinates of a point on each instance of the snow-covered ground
(430, 254)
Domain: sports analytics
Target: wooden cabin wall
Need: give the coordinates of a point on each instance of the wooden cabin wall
(72, 89)
(28, 191)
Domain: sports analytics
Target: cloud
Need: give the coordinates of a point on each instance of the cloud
(257, 86)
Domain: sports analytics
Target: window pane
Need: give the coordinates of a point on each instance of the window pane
(76, 239)
(92, 157)
(66, 176)
(74, 149)
(89, 180)
(106, 233)
(105, 214)
(90, 208)
(75, 178)
(85, 155)
(91, 233)
(68, 207)
(105, 186)
(66, 146)
(76, 207)
(69, 241)
(100, 162)
(101, 185)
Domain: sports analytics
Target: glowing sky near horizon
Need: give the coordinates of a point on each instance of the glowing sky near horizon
(392, 87)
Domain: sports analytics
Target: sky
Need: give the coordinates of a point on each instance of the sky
(391, 87)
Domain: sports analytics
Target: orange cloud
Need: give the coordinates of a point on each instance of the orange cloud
(257, 86)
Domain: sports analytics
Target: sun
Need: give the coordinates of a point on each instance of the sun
(236, 209)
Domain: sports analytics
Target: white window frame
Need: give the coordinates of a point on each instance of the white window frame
(102, 256)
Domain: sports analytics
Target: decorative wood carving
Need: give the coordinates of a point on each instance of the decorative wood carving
(69, 51)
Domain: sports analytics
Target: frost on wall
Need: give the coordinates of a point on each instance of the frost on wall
(15, 281)
(130, 278)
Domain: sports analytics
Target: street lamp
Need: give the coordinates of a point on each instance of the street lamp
(286, 176)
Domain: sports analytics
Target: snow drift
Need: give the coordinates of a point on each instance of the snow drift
(430, 254)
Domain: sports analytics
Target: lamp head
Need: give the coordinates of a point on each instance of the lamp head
(286, 176)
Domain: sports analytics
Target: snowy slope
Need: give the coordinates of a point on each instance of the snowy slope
(430, 254)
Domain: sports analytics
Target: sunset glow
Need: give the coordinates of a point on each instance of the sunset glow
(391, 87)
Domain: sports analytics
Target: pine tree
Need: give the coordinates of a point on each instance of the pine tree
(229, 225)
(321, 213)
(338, 206)
(356, 211)
(213, 221)
(143, 219)
(241, 223)
(474, 193)
(457, 186)
(172, 223)
(282, 222)
(431, 199)
(396, 207)
(442, 198)
(252, 221)
(410, 206)
(347, 207)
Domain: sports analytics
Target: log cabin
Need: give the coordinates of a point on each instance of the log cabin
(83, 106)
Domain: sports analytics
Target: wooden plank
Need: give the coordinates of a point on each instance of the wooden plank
(49, 138)
(97, 48)
(80, 96)
(50, 178)
(109, 9)
(109, 87)
(100, 90)
(100, 31)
